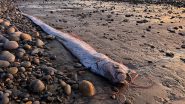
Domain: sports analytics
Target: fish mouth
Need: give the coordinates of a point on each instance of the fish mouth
(121, 78)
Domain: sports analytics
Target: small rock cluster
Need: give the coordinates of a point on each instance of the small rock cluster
(26, 74)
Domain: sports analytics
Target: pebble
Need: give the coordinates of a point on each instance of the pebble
(170, 29)
(11, 30)
(39, 43)
(1, 21)
(36, 60)
(37, 86)
(78, 65)
(12, 70)
(26, 64)
(6, 55)
(26, 37)
(4, 63)
(28, 102)
(6, 23)
(170, 54)
(27, 47)
(182, 33)
(36, 34)
(62, 83)
(14, 38)
(87, 88)
(128, 102)
(36, 102)
(5, 99)
(11, 45)
(18, 33)
(67, 89)
(183, 46)
(49, 70)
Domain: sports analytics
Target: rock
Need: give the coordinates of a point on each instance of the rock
(49, 70)
(4, 64)
(37, 86)
(12, 70)
(128, 102)
(1, 21)
(11, 45)
(182, 33)
(142, 21)
(14, 38)
(62, 83)
(11, 30)
(22, 69)
(50, 37)
(170, 29)
(36, 34)
(113, 96)
(39, 43)
(28, 102)
(26, 64)
(36, 60)
(78, 65)
(67, 89)
(27, 47)
(6, 23)
(36, 102)
(5, 99)
(6, 55)
(170, 54)
(183, 46)
(18, 33)
(3, 39)
(87, 88)
(26, 37)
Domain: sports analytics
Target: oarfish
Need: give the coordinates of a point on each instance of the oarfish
(94, 61)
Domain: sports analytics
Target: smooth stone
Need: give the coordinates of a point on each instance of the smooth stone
(22, 69)
(26, 64)
(4, 63)
(49, 70)
(36, 102)
(12, 70)
(18, 33)
(28, 102)
(5, 99)
(26, 37)
(6, 23)
(20, 54)
(36, 34)
(1, 21)
(39, 43)
(67, 89)
(37, 86)
(36, 60)
(27, 47)
(3, 39)
(6, 55)
(14, 38)
(87, 88)
(11, 30)
(11, 45)
(62, 83)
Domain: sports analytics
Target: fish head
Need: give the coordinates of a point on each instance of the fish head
(120, 73)
(115, 72)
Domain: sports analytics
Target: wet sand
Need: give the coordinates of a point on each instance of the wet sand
(140, 36)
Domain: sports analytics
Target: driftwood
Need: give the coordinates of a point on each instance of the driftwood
(89, 57)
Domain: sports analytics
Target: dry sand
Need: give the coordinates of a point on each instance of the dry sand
(136, 35)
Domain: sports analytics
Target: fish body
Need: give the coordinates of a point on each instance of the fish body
(96, 62)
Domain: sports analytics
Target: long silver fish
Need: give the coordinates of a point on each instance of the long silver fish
(88, 56)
